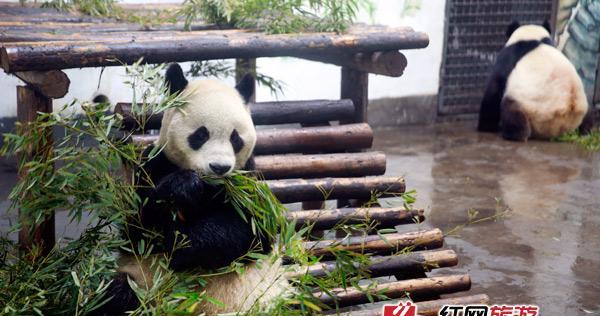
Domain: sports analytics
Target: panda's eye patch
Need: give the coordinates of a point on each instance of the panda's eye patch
(198, 138)
(236, 141)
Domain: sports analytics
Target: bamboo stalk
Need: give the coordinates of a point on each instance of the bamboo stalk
(424, 239)
(298, 190)
(320, 166)
(390, 265)
(434, 285)
(385, 217)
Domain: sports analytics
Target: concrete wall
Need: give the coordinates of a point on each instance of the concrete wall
(303, 79)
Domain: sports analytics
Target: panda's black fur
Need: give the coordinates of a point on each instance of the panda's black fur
(501, 109)
(178, 200)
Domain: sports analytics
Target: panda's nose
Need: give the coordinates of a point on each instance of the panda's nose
(219, 169)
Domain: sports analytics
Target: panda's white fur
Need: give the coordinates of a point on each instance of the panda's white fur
(257, 287)
(220, 109)
(546, 86)
(533, 89)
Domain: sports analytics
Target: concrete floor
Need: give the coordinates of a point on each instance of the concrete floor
(545, 252)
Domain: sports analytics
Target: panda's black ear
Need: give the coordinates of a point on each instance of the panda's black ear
(512, 27)
(175, 79)
(246, 87)
(547, 26)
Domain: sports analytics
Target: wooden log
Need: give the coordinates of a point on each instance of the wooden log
(63, 55)
(385, 217)
(355, 86)
(426, 308)
(391, 63)
(266, 113)
(76, 31)
(390, 265)
(321, 165)
(300, 140)
(304, 112)
(52, 84)
(434, 285)
(298, 190)
(432, 308)
(314, 139)
(29, 103)
(424, 239)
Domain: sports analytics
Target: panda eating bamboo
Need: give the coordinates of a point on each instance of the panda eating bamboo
(212, 134)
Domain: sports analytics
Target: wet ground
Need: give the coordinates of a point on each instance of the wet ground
(546, 251)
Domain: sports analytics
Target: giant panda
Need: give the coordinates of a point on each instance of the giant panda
(533, 90)
(212, 134)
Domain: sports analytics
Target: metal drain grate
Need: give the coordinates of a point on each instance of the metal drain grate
(475, 31)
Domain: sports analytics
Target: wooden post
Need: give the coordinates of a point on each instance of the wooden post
(29, 102)
(355, 86)
(245, 66)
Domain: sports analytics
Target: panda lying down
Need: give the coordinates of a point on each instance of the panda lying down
(213, 134)
(534, 90)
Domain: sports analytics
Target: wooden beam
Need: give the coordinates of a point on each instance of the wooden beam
(426, 308)
(424, 239)
(264, 113)
(390, 265)
(29, 103)
(437, 285)
(190, 47)
(391, 63)
(298, 190)
(300, 140)
(385, 217)
(321, 165)
(52, 84)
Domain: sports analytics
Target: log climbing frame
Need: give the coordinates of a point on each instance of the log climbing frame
(322, 145)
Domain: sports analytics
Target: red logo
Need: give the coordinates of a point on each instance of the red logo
(402, 309)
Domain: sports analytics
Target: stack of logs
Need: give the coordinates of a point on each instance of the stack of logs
(301, 162)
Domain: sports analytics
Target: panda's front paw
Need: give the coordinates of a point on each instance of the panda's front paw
(182, 188)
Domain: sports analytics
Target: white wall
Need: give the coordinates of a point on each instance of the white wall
(303, 79)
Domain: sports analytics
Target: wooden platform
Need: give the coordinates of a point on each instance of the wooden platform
(38, 39)
(323, 156)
